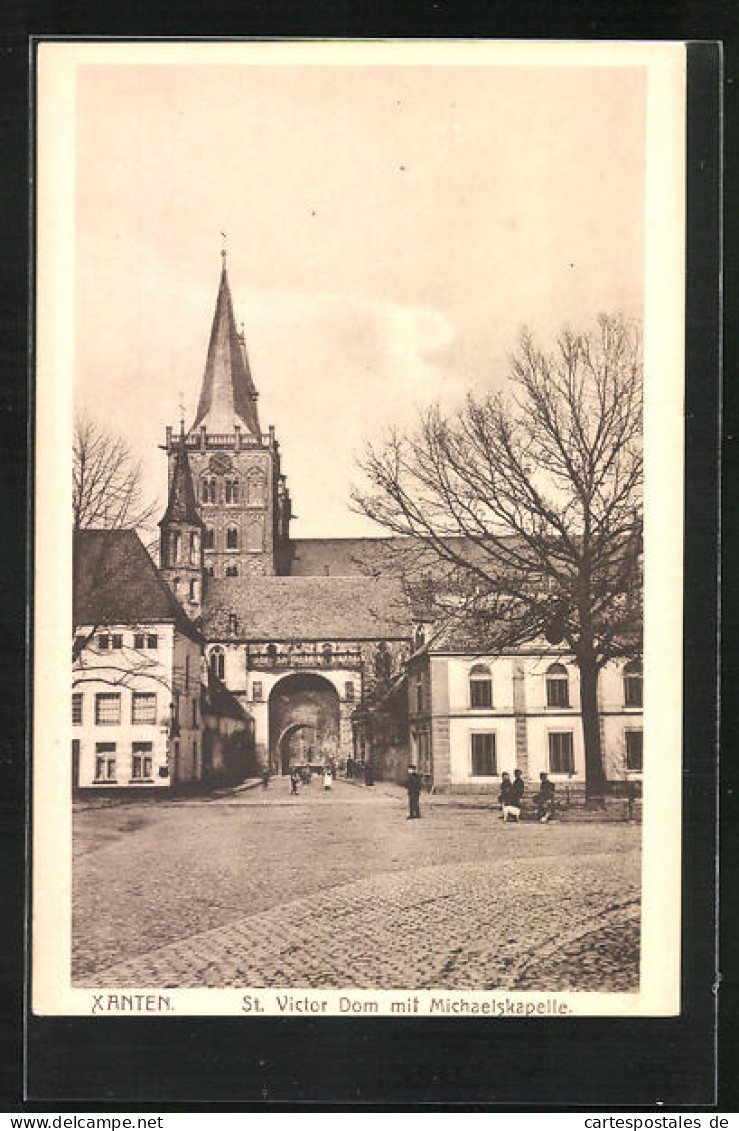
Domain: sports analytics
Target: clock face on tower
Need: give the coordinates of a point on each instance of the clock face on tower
(220, 463)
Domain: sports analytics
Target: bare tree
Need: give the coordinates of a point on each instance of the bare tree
(525, 512)
(107, 490)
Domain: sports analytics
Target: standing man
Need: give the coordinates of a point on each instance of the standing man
(545, 799)
(413, 787)
(515, 796)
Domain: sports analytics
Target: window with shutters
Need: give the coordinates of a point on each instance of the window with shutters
(561, 752)
(558, 686)
(633, 684)
(481, 686)
(634, 750)
(483, 755)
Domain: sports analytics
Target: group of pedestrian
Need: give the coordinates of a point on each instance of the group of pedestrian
(511, 797)
(298, 775)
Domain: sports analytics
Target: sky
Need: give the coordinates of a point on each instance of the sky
(389, 231)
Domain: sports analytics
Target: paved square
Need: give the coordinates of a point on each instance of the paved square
(337, 889)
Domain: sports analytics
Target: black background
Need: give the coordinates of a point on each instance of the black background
(149, 1064)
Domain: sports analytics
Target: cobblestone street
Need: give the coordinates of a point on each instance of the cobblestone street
(259, 888)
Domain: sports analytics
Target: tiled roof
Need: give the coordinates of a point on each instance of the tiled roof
(117, 583)
(181, 505)
(228, 395)
(305, 608)
(335, 557)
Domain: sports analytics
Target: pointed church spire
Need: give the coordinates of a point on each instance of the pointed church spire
(181, 505)
(228, 396)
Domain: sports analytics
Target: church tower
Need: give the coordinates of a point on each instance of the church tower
(181, 535)
(241, 494)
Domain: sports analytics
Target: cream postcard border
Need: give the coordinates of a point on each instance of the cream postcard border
(659, 994)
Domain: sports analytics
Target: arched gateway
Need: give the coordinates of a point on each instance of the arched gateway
(303, 722)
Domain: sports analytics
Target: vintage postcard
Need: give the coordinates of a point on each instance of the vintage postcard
(358, 527)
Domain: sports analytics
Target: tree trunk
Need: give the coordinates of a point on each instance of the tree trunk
(595, 778)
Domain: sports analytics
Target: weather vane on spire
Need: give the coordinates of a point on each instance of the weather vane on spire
(182, 413)
(224, 249)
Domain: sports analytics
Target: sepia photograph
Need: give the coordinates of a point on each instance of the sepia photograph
(360, 366)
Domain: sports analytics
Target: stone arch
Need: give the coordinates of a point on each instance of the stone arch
(304, 711)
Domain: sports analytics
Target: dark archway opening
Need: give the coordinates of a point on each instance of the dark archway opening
(303, 723)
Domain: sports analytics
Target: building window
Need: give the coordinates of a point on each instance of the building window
(256, 691)
(107, 708)
(208, 490)
(232, 571)
(193, 548)
(481, 686)
(194, 711)
(271, 652)
(349, 691)
(143, 707)
(116, 640)
(232, 538)
(138, 641)
(558, 686)
(561, 753)
(176, 546)
(255, 488)
(232, 490)
(233, 624)
(635, 750)
(419, 696)
(193, 590)
(152, 641)
(217, 663)
(77, 709)
(633, 684)
(103, 642)
(210, 571)
(483, 755)
(209, 538)
(105, 761)
(141, 761)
